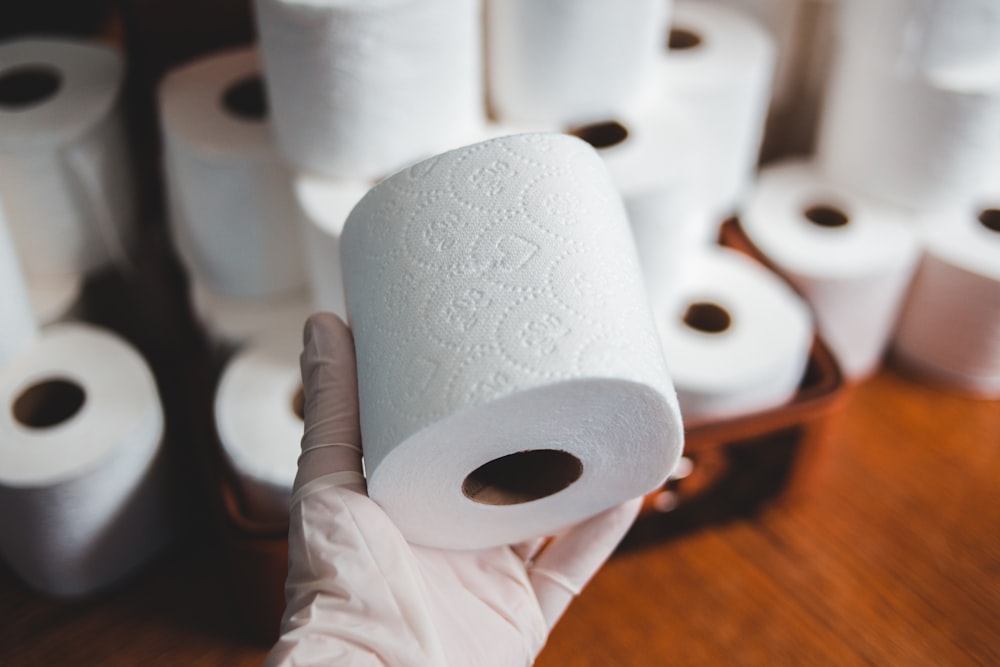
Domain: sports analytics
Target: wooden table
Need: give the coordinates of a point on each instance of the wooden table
(891, 557)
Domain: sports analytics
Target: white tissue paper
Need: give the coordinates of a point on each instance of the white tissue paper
(232, 212)
(571, 61)
(234, 321)
(719, 68)
(258, 418)
(82, 482)
(65, 177)
(950, 327)
(918, 141)
(929, 36)
(360, 88)
(850, 256)
(736, 337)
(324, 205)
(660, 173)
(511, 380)
(783, 20)
(18, 324)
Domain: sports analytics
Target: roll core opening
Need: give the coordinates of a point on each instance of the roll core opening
(990, 219)
(299, 403)
(522, 477)
(246, 99)
(28, 85)
(681, 39)
(48, 403)
(601, 135)
(707, 317)
(826, 216)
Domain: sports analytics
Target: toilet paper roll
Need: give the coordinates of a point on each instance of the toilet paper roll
(359, 88)
(65, 178)
(918, 142)
(233, 321)
(232, 210)
(950, 328)
(325, 204)
(18, 325)
(851, 257)
(570, 61)
(258, 418)
(719, 66)
(510, 376)
(735, 336)
(660, 174)
(783, 20)
(54, 298)
(82, 492)
(930, 36)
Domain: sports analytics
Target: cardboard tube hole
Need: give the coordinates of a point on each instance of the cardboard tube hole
(991, 219)
(246, 99)
(602, 135)
(826, 216)
(48, 403)
(522, 477)
(681, 39)
(707, 317)
(28, 85)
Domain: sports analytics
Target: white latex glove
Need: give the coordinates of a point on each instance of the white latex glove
(358, 594)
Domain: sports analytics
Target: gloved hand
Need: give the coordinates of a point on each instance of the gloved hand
(358, 594)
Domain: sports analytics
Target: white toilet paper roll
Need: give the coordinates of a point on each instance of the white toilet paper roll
(719, 66)
(65, 179)
(510, 376)
(18, 324)
(82, 492)
(950, 327)
(851, 257)
(918, 142)
(360, 88)
(233, 321)
(232, 211)
(324, 205)
(659, 172)
(735, 336)
(570, 61)
(783, 20)
(258, 418)
(930, 36)
(53, 298)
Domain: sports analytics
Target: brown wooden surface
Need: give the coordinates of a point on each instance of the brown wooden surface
(890, 557)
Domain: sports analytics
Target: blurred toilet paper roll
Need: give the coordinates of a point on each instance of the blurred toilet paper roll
(234, 321)
(660, 174)
(917, 141)
(736, 337)
(851, 257)
(783, 20)
(925, 35)
(325, 204)
(82, 486)
(54, 298)
(258, 418)
(510, 375)
(719, 66)
(950, 327)
(570, 61)
(231, 205)
(359, 88)
(18, 323)
(65, 178)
